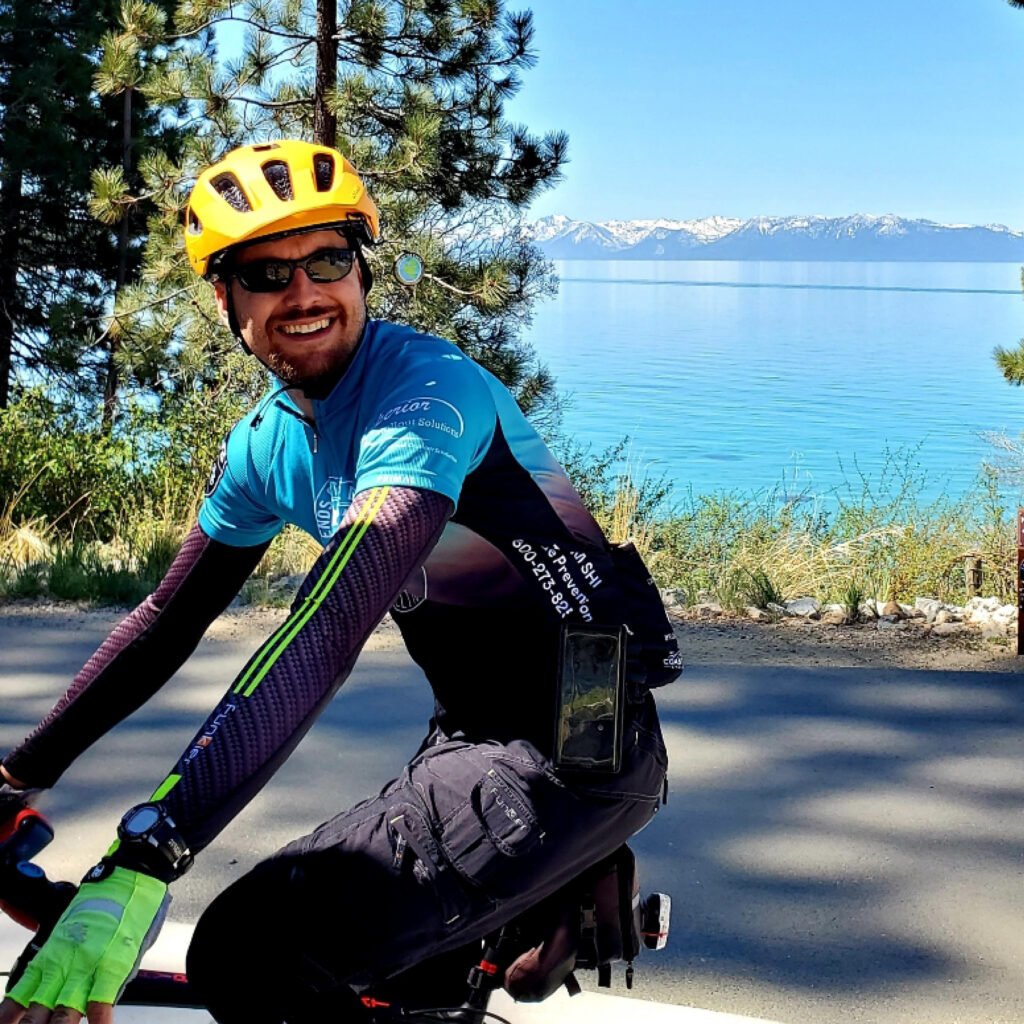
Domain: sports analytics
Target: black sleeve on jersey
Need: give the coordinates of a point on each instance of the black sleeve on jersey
(385, 536)
(138, 657)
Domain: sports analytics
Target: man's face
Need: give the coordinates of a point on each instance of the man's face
(307, 332)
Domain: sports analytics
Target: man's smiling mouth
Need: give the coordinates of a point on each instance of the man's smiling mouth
(316, 325)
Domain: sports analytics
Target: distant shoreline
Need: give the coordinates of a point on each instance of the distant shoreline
(857, 238)
(711, 258)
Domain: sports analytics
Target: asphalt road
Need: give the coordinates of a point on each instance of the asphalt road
(841, 845)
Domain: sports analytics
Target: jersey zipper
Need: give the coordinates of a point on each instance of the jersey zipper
(305, 419)
(258, 418)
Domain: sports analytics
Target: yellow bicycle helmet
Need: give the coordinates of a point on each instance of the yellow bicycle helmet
(273, 189)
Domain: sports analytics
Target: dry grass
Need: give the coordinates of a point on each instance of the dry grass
(292, 551)
(22, 543)
(622, 522)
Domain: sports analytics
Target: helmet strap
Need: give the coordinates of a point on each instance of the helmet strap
(233, 324)
(364, 268)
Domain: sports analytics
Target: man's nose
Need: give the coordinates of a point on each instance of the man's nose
(300, 287)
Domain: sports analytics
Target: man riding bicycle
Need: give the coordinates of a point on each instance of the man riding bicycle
(435, 499)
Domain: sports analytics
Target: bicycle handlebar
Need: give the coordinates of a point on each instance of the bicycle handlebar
(26, 894)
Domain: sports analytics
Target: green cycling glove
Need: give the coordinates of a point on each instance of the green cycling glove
(95, 947)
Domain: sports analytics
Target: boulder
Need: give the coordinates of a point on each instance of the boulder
(805, 607)
(1006, 615)
(776, 609)
(980, 609)
(929, 607)
(287, 584)
(707, 609)
(946, 615)
(758, 614)
(829, 613)
(992, 629)
(893, 608)
(674, 599)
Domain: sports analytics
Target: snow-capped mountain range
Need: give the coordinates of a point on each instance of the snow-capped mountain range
(858, 237)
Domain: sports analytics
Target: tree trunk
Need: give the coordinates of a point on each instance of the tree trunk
(10, 238)
(325, 122)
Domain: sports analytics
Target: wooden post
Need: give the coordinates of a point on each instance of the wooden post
(1020, 581)
(973, 578)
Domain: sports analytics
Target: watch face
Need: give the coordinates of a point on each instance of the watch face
(142, 821)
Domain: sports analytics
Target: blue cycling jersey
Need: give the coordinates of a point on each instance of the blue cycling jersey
(410, 411)
(520, 555)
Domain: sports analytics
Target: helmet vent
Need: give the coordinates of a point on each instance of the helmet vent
(232, 192)
(278, 178)
(323, 171)
(195, 225)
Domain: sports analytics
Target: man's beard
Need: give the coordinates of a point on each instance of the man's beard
(318, 385)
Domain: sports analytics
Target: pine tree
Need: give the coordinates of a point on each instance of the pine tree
(413, 93)
(1011, 363)
(51, 253)
(58, 264)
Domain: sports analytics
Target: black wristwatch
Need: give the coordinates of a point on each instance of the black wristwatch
(150, 842)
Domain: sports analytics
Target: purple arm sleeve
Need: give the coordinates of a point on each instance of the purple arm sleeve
(385, 535)
(138, 657)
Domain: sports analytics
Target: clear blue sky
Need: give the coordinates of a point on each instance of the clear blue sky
(688, 108)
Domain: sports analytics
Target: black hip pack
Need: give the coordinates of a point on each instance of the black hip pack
(651, 645)
(598, 920)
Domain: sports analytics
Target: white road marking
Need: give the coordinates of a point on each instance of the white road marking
(168, 954)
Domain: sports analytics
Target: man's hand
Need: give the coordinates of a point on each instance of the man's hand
(92, 953)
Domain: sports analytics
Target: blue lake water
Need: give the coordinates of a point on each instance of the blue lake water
(786, 376)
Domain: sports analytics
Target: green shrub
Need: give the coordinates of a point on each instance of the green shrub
(70, 577)
(761, 590)
(27, 582)
(851, 598)
(69, 474)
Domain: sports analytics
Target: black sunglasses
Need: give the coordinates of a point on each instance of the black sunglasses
(274, 275)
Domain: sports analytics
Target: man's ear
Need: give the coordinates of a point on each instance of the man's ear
(220, 291)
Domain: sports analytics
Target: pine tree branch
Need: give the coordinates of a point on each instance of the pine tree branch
(212, 23)
(276, 32)
(442, 65)
(383, 175)
(474, 294)
(415, 51)
(271, 104)
(117, 318)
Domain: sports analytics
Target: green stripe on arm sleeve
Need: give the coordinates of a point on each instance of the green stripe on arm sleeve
(276, 645)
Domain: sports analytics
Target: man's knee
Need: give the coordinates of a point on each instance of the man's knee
(251, 956)
(231, 947)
